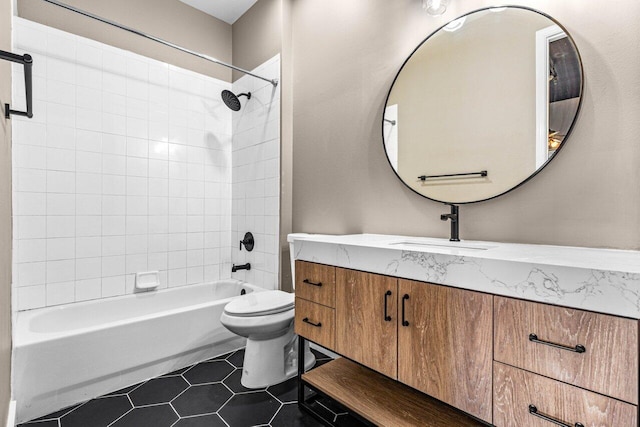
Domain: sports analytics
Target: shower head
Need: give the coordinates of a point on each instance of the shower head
(231, 100)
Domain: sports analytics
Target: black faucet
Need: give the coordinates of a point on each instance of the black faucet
(235, 268)
(454, 216)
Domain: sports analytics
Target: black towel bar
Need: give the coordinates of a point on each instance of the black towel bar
(425, 177)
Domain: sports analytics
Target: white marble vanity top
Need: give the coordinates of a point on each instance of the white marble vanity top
(602, 280)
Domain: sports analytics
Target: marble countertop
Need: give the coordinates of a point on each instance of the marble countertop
(602, 280)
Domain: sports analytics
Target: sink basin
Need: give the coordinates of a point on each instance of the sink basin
(448, 245)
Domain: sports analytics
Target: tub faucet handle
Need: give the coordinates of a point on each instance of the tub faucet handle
(248, 241)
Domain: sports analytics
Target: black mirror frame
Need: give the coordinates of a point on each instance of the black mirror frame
(569, 131)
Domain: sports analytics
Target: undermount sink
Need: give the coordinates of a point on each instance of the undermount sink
(448, 245)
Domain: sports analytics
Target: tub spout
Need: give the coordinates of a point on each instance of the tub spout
(235, 268)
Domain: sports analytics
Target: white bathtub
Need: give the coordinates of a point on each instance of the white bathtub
(68, 354)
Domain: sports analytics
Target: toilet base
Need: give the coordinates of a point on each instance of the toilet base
(272, 361)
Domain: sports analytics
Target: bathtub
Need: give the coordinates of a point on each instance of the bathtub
(71, 353)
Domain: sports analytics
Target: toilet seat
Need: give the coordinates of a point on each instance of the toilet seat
(260, 304)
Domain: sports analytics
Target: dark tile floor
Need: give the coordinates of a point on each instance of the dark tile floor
(206, 394)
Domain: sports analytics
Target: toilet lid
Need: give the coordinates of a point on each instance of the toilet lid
(260, 303)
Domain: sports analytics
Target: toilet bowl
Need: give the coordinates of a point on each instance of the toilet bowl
(266, 320)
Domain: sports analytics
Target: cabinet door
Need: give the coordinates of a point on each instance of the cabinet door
(362, 332)
(445, 347)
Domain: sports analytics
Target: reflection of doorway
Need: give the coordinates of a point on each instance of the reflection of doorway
(544, 74)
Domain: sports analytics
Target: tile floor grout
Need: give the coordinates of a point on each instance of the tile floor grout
(213, 383)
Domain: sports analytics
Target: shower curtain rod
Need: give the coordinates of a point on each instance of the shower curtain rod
(159, 40)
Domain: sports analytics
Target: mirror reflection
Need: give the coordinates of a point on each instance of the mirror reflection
(482, 104)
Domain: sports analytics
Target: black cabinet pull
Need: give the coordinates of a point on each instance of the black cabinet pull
(309, 282)
(534, 411)
(577, 349)
(387, 318)
(317, 325)
(404, 321)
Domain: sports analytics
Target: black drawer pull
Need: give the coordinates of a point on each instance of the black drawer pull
(534, 411)
(317, 325)
(387, 318)
(577, 349)
(404, 321)
(309, 282)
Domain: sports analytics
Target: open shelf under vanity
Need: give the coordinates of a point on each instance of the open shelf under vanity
(379, 400)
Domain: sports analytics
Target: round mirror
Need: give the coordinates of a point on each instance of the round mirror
(482, 104)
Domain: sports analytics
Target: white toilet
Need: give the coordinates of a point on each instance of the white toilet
(266, 320)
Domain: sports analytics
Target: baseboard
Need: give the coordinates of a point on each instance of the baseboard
(11, 415)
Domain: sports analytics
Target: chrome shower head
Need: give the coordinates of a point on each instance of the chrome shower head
(231, 100)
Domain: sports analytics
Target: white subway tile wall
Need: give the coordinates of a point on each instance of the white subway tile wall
(127, 167)
(256, 176)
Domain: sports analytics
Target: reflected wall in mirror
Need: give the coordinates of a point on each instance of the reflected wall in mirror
(482, 104)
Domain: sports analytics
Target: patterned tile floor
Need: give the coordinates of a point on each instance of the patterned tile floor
(205, 394)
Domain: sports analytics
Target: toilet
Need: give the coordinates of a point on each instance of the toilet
(266, 320)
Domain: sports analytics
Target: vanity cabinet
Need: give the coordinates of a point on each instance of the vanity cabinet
(505, 361)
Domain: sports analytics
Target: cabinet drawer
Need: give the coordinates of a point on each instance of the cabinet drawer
(316, 282)
(315, 322)
(608, 364)
(515, 390)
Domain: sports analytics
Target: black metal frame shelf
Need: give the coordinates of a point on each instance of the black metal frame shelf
(27, 61)
(305, 402)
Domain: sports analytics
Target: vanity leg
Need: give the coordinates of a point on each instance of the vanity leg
(301, 345)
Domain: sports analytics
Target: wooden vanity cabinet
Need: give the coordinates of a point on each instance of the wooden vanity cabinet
(445, 345)
(493, 357)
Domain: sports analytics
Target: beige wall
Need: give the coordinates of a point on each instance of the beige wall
(467, 102)
(345, 57)
(170, 20)
(5, 215)
(257, 35)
